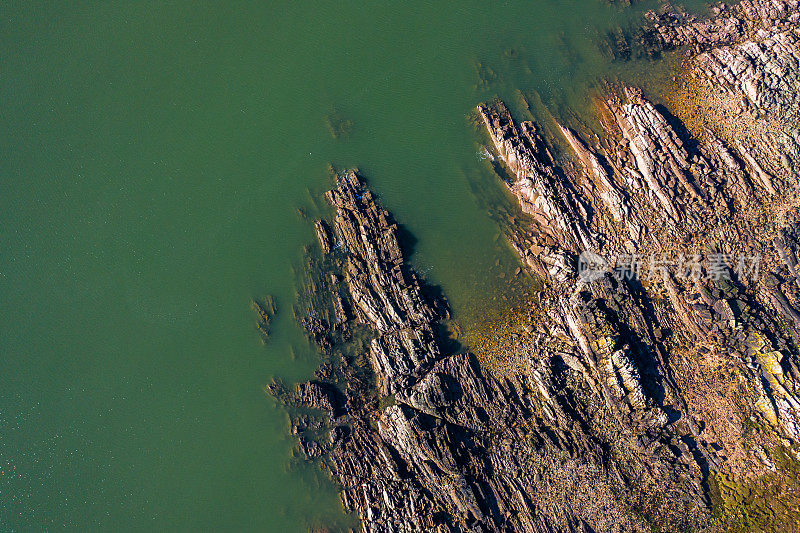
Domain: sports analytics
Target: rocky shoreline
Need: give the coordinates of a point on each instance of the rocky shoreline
(659, 384)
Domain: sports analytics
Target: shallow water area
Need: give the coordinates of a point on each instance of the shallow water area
(155, 157)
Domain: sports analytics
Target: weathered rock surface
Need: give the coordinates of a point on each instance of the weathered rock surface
(730, 23)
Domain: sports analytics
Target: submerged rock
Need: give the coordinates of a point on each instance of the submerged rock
(265, 311)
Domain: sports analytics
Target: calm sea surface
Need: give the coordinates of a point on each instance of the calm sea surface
(154, 157)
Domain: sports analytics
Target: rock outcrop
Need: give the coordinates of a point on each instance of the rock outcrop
(658, 373)
(449, 446)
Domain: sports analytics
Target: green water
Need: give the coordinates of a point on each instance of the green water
(153, 160)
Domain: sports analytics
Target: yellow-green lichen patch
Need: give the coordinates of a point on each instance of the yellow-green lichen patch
(769, 503)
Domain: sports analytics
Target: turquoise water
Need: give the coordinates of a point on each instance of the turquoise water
(153, 160)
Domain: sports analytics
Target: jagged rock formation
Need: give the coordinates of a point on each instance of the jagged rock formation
(458, 449)
(660, 364)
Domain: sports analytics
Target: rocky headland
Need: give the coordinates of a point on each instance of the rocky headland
(654, 382)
